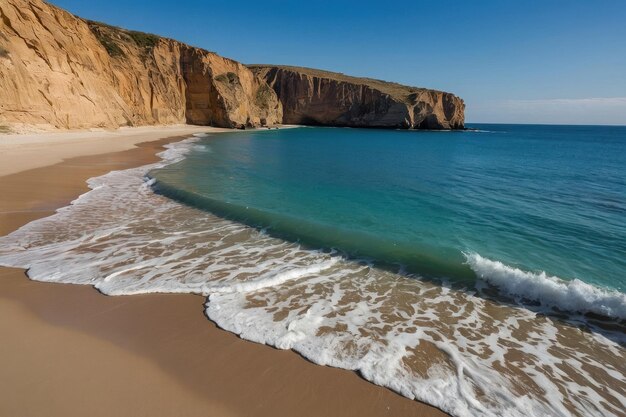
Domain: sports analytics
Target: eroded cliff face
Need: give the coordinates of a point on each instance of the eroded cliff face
(222, 92)
(60, 71)
(318, 97)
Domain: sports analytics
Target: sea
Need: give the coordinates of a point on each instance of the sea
(480, 271)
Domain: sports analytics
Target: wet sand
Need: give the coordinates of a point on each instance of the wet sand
(68, 350)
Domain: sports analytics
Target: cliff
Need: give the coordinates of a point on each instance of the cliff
(316, 97)
(60, 71)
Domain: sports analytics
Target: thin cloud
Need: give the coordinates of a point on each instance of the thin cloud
(592, 110)
(594, 101)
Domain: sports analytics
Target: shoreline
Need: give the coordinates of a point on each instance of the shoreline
(69, 350)
(21, 152)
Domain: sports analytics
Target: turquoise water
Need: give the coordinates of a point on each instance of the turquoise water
(536, 198)
(482, 213)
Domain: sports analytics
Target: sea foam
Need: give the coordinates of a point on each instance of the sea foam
(551, 291)
(448, 347)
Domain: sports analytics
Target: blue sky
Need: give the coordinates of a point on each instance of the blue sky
(520, 61)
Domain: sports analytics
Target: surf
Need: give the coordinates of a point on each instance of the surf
(449, 345)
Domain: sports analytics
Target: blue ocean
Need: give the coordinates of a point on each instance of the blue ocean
(539, 198)
(480, 271)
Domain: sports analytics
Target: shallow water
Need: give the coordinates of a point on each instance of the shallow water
(459, 343)
(442, 204)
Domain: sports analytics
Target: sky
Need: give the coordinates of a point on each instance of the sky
(512, 61)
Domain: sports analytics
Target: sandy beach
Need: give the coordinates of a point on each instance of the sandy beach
(68, 350)
(441, 233)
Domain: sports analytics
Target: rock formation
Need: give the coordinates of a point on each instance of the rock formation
(60, 71)
(316, 97)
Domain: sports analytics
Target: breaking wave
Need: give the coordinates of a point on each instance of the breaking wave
(449, 347)
(550, 291)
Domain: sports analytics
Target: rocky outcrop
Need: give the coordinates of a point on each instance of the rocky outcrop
(60, 71)
(223, 92)
(316, 97)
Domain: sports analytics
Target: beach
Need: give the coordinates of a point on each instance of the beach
(313, 223)
(69, 350)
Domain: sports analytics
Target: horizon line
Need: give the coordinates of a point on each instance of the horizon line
(546, 124)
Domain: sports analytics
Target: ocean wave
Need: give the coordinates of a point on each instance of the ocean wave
(568, 295)
(447, 347)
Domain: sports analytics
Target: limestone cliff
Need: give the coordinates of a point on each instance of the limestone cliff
(318, 97)
(57, 70)
(60, 71)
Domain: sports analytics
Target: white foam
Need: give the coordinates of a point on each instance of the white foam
(271, 279)
(429, 342)
(573, 296)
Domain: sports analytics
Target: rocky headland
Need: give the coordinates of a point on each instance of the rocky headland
(315, 97)
(58, 71)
